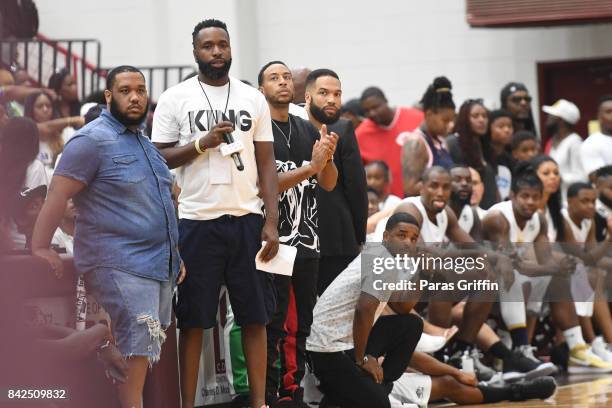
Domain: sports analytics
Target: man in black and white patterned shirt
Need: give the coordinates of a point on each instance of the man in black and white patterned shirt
(303, 161)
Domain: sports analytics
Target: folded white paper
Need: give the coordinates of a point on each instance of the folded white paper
(281, 264)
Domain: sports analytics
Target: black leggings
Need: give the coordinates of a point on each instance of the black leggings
(347, 385)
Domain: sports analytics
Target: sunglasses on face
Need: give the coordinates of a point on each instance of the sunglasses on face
(518, 99)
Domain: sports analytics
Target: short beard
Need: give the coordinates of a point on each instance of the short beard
(124, 119)
(211, 72)
(456, 199)
(322, 117)
(273, 101)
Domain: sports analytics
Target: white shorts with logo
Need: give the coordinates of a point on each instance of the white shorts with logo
(411, 388)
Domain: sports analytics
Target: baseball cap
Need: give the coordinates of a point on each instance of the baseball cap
(27, 193)
(565, 110)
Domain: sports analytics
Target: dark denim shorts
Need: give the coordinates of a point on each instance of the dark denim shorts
(222, 252)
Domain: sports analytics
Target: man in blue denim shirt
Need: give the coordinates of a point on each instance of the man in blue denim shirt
(126, 233)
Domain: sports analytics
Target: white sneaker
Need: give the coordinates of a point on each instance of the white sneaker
(582, 360)
(600, 349)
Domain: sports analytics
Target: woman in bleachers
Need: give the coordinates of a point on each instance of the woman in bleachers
(495, 148)
(65, 86)
(54, 130)
(465, 146)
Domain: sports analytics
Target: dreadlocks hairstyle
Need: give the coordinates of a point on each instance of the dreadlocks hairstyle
(554, 200)
(438, 95)
(211, 22)
(469, 142)
(509, 89)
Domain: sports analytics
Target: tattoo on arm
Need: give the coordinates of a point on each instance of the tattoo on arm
(414, 161)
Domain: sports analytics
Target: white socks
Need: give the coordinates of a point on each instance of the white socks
(574, 337)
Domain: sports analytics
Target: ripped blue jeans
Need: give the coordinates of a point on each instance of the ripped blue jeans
(140, 309)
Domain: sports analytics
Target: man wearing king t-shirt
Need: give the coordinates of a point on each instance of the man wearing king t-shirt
(377, 135)
(221, 223)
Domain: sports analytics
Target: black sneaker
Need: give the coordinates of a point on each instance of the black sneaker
(240, 401)
(483, 372)
(559, 355)
(523, 364)
(538, 388)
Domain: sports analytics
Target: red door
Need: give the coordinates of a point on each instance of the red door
(582, 82)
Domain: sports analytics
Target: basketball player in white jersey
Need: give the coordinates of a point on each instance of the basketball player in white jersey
(587, 285)
(439, 224)
(517, 221)
(515, 364)
(461, 194)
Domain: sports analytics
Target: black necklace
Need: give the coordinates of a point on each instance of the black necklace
(229, 84)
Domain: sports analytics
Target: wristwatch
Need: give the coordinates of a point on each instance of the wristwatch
(363, 361)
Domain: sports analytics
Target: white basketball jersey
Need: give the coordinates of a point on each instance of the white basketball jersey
(430, 232)
(525, 235)
(581, 232)
(466, 218)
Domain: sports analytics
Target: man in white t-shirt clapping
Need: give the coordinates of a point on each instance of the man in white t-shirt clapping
(221, 223)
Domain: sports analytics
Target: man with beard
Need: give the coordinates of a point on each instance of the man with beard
(220, 204)
(517, 221)
(438, 224)
(302, 162)
(378, 134)
(350, 335)
(343, 212)
(461, 194)
(126, 234)
(515, 99)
